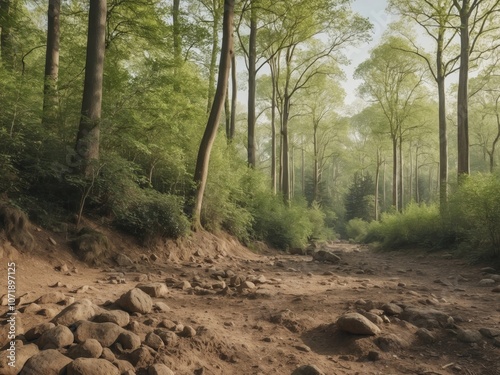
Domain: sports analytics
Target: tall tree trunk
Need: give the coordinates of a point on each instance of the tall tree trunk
(417, 190)
(377, 179)
(227, 115)
(395, 172)
(384, 188)
(234, 97)
(50, 93)
(400, 178)
(303, 169)
(202, 162)
(316, 163)
(177, 32)
(273, 125)
(252, 59)
(285, 150)
(292, 172)
(87, 140)
(443, 133)
(213, 56)
(463, 94)
(6, 21)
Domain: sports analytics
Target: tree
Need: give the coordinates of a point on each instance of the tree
(393, 81)
(87, 140)
(358, 202)
(50, 96)
(435, 18)
(202, 162)
(6, 23)
(475, 20)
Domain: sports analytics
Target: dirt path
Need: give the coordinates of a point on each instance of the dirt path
(287, 320)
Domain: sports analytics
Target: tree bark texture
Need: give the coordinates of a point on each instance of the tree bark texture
(87, 141)
(202, 162)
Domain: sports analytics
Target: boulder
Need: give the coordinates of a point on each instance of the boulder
(90, 348)
(159, 369)
(157, 290)
(80, 310)
(325, 256)
(23, 353)
(46, 362)
(119, 317)
(426, 318)
(135, 300)
(92, 366)
(357, 324)
(37, 331)
(53, 297)
(56, 338)
(308, 370)
(129, 340)
(105, 333)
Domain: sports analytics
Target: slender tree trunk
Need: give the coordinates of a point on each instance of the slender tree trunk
(417, 192)
(463, 94)
(273, 125)
(410, 174)
(292, 172)
(443, 133)
(213, 56)
(50, 93)
(303, 169)
(395, 172)
(202, 162)
(494, 145)
(177, 32)
(316, 164)
(400, 179)
(377, 179)
(252, 56)
(234, 97)
(87, 141)
(285, 150)
(384, 188)
(227, 115)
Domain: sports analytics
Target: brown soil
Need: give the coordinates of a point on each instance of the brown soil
(288, 320)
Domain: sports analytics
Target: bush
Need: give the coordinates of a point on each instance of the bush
(474, 213)
(417, 225)
(152, 215)
(357, 229)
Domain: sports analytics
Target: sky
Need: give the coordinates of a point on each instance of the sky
(374, 10)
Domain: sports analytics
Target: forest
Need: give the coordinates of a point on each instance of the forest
(164, 117)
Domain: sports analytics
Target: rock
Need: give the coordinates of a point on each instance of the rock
(169, 338)
(53, 297)
(490, 332)
(183, 285)
(49, 313)
(236, 280)
(119, 317)
(391, 342)
(157, 290)
(392, 309)
(373, 356)
(469, 336)
(129, 340)
(488, 270)
(308, 370)
(159, 369)
(303, 348)
(123, 260)
(425, 335)
(326, 256)
(496, 290)
(357, 324)
(426, 318)
(32, 308)
(55, 338)
(46, 362)
(90, 348)
(80, 310)
(91, 366)
(487, 282)
(125, 367)
(153, 341)
(188, 331)
(135, 300)
(374, 318)
(161, 307)
(496, 342)
(141, 357)
(105, 333)
(108, 355)
(23, 353)
(246, 285)
(37, 331)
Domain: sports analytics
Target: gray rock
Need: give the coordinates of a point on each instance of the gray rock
(56, 338)
(469, 336)
(357, 324)
(80, 310)
(23, 353)
(326, 256)
(105, 333)
(487, 282)
(169, 338)
(153, 341)
(135, 300)
(308, 370)
(490, 332)
(426, 318)
(92, 366)
(119, 317)
(425, 335)
(37, 331)
(161, 307)
(129, 340)
(90, 348)
(157, 290)
(374, 318)
(392, 309)
(123, 260)
(46, 362)
(159, 369)
(188, 331)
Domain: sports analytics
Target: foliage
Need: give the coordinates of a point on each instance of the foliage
(417, 225)
(357, 229)
(474, 212)
(359, 201)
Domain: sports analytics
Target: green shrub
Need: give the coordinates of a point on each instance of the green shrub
(357, 229)
(153, 215)
(417, 225)
(474, 213)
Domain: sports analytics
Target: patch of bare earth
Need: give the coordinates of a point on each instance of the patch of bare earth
(222, 309)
